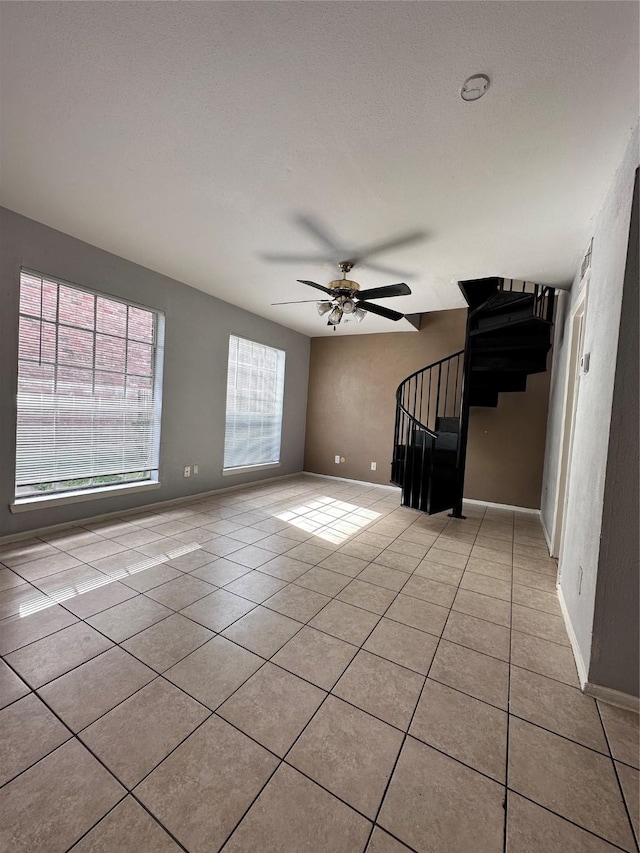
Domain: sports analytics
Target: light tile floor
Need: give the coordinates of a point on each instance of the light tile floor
(301, 666)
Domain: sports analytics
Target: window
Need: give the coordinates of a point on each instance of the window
(89, 379)
(255, 391)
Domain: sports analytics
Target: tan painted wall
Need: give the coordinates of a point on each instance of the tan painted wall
(351, 411)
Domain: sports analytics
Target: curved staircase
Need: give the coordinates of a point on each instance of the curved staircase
(508, 338)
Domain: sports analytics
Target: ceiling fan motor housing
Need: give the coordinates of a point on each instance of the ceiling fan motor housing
(344, 284)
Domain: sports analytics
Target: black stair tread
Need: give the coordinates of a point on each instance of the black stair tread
(495, 363)
(483, 393)
(503, 383)
(503, 301)
(507, 342)
(499, 357)
(507, 357)
(484, 404)
(491, 343)
(505, 320)
(535, 344)
(446, 441)
(448, 424)
(525, 366)
(510, 356)
(503, 387)
(520, 322)
(530, 370)
(478, 290)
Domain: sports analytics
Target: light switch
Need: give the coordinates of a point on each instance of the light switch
(585, 363)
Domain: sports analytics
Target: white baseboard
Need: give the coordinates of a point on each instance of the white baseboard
(546, 535)
(613, 697)
(471, 501)
(355, 482)
(509, 507)
(604, 694)
(575, 648)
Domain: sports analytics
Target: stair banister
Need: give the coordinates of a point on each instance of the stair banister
(508, 336)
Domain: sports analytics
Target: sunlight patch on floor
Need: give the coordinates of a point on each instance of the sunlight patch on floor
(57, 597)
(329, 519)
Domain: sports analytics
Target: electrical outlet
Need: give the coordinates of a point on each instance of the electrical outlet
(196, 470)
(187, 470)
(342, 459)
(374, 466)
(337, 460)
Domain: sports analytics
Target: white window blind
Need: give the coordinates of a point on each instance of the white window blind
(88, 389)
(255, 392)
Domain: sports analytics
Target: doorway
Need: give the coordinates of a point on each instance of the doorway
(574, 371)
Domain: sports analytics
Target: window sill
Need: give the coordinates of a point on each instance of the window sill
(248, 469)
(37, 502)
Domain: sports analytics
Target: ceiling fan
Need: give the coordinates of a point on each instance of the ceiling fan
(331, 250)
(347, 300)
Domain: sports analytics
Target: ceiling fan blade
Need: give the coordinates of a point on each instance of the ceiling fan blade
(386, 270)
(297, 259)
(333, 260)
(318, 286)
(384, 292)
(318, 231)
(387, 313)
(386, 245)
(298, 302)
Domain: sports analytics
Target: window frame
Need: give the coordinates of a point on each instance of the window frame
(228, 471)
(24, 502)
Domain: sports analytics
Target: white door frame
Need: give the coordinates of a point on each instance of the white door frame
(571, 393)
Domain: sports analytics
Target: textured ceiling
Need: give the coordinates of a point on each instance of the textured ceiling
(191, 137)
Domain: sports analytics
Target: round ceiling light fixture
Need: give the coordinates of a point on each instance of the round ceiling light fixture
(474, 87)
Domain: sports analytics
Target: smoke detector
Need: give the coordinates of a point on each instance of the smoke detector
(474, 87)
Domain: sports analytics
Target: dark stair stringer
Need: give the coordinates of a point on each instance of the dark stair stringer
(508, 337)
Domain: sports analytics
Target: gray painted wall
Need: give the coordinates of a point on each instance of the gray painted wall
(195, 368)
(615, 649)
(588, 464)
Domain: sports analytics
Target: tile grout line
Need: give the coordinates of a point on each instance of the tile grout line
(406, 733)
(380, 616)
(564, 737)
(76, 735)
(267, 660)
(130, 792)
(300, 734)
(569, 821)
(508, 733)
(111, 810)
(615, 770)
(328, 693)
(138, 594)
(259, 603)
(264, 603)
(91, 565)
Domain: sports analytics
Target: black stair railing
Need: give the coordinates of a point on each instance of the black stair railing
(432, 404)
(543, 296)
(428, 424)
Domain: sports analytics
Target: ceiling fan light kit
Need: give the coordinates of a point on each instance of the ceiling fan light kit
(347, 300)
(359, 314)
(335, 316)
